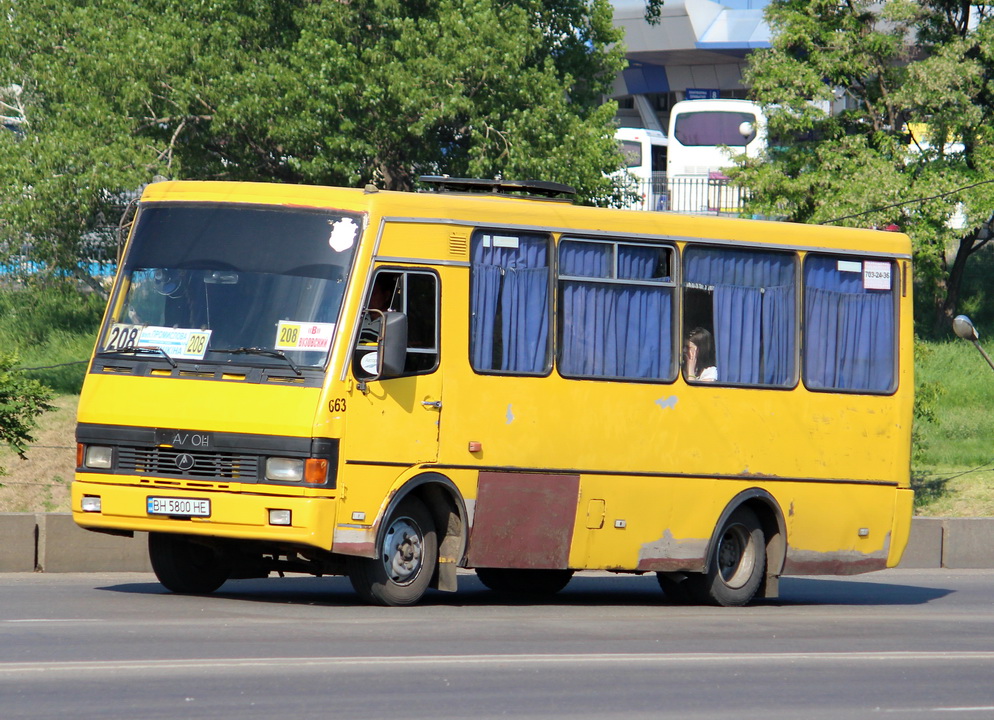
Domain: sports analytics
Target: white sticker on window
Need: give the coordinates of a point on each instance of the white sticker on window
(853, 266)
(876, 275)
(304, 336)
(177, 343)
(343, 234)
(506, 241)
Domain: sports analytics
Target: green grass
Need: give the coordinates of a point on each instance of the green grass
(953, 466)
(52, 326)
(960, 430)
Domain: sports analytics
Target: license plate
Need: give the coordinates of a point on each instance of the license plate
(182, 507)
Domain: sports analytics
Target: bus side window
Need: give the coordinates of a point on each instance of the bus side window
(415, 294)
(510, 302)
(746, 300)
(616, 310)
(850, 324)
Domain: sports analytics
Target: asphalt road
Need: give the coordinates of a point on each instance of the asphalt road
(896, 644)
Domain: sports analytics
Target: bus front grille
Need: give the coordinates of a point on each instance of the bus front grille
(178, 463)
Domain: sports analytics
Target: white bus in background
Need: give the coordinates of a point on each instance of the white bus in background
(645, 152)
(704, 136)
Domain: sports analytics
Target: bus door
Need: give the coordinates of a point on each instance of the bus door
(395, 420)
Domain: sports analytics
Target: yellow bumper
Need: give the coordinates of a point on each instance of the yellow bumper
(239, 515)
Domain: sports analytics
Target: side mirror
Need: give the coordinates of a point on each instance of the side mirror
(964, 328)
(386, 356)
(393, 345)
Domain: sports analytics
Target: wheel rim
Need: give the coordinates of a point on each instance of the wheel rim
(403, 546)
(736, 556)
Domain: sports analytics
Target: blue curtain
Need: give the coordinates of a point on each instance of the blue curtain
(850, 332)
(738, 333)
(509, 296)
(754, 312)
(610, 329)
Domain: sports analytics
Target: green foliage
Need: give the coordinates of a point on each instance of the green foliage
(113, 93)
(927, 396)
(835, 167)
(21, 401)
(52, 325)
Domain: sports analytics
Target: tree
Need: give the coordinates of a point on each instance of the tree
(21, 400)
(894, 65)
(327, 92)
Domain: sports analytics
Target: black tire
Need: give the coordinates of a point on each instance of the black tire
(737, 563)
(185, 566)
(405, 562)
(526, 583)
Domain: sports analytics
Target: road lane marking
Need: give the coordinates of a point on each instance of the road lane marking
(53, 620)
(295, 664)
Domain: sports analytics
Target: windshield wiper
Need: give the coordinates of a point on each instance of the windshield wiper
(140, 350)
(260, 351)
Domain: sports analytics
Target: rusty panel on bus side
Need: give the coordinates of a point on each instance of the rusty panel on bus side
(523, 520)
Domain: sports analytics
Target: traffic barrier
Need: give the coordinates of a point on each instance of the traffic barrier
(52, 542)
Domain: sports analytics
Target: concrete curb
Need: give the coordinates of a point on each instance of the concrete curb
(52, 542)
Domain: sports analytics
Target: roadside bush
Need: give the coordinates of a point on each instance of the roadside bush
(21, 401)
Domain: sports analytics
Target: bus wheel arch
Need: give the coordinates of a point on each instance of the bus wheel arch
(746, 552)
(445, 520)
(448, 510)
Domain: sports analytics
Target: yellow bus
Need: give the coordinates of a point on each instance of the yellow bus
(393, 386)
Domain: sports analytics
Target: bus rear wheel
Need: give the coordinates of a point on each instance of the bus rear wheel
(185, 566)
(405, 559)
(533, 583)
(737, 563)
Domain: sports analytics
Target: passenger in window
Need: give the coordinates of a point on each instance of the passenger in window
(698, 355)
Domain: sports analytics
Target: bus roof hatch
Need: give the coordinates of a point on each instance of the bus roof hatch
(527, 188)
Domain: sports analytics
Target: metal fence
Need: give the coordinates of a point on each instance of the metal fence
(712, 194)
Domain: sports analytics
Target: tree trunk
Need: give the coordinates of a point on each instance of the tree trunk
(946, 307)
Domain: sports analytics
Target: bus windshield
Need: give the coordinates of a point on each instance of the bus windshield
(715, 128)
(254, 284)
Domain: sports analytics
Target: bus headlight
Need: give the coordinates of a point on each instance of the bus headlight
(97, 456)
(285, 469)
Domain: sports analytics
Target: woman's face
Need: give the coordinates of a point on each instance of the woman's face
(690, 355)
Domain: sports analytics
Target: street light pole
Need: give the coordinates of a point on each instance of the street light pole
(964, 328)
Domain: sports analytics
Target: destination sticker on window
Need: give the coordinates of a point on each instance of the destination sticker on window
(304, 336)
(122, 336)
(876, 275)
(177, 343)
(853, 266)
(505, 241)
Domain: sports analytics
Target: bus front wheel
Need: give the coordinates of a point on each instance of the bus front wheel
(185, 566)
(737, 563)
(405, 561)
